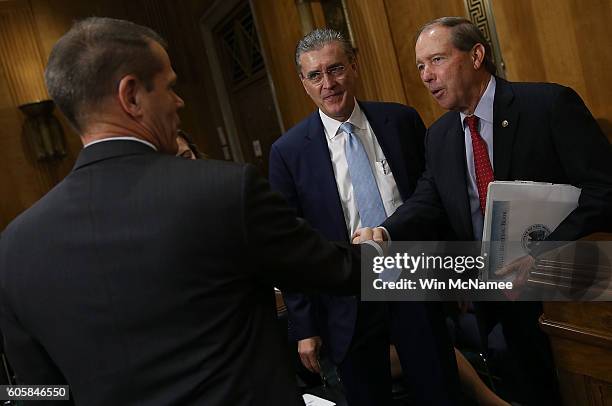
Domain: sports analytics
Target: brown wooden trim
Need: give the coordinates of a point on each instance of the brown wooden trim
(575, 333)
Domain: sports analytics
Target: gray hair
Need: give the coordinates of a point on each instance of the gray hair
(317, 39)
(87, 63)
(464, 35)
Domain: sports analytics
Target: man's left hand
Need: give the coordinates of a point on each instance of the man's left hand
(522, 267)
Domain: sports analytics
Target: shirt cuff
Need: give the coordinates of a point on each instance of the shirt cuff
(377, 247)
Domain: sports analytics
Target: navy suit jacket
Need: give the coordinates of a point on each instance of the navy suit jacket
(113, 283)
(301, 169)
(551, 137)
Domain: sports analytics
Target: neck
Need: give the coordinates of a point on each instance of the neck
(112, 127)
(478, 91)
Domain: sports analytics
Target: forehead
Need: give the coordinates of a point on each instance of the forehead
(433, 40)
(161, 55)
(328, 55)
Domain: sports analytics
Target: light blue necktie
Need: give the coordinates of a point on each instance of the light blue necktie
(369, 203)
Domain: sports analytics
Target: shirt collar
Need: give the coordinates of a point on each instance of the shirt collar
(484, 108)
(121, 139)
(357, 118)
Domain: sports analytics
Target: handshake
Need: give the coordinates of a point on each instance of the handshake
(521, 267)
(376, 237)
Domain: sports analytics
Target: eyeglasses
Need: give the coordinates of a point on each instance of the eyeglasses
(316, 77)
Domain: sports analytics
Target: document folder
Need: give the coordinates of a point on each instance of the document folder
(519, 213)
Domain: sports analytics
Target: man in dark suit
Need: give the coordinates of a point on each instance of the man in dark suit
(144, 278)
(312, 166)
(505, 131)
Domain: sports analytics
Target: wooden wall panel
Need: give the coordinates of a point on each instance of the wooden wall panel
(566, 42)
(20, 55)
(405, 18)
(378, 64)
(28, 35)
(22, 179)
(278, 25)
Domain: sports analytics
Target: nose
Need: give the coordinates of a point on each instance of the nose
(328, 80)
(179, 102)
(426, 74)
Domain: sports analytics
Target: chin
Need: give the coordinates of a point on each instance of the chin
(338, 111)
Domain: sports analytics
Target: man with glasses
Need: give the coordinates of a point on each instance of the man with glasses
(348, 165)
(143, 278)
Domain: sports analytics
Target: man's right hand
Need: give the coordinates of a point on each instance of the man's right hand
(308, 348)
(376, 234)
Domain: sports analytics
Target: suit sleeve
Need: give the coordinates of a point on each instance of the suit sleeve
(586, 156)
(302, 317)
(30, 361)
(422, 216)
(287, 251)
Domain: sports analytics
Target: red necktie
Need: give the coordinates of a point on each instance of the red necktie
(482, 163)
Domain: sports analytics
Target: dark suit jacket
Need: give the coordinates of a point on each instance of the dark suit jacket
(146, 278)
(301, 169)
(551, 137)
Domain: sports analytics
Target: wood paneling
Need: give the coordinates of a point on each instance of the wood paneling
(566, 42)
(20, 55)
(22, 179)
(30, 28)
(405, 18)
(377, 60)
(581, 340)
(278, 25)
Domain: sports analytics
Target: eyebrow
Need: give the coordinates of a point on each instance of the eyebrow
(333, 65)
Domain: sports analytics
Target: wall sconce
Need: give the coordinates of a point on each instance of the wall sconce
(43, 131)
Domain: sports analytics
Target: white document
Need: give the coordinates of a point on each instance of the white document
(312, 400)
(520, 212)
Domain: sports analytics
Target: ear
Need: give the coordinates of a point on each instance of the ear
(129, 88)
(478, 54)
(354, 67)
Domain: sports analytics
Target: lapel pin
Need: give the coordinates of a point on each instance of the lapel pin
(505, 123)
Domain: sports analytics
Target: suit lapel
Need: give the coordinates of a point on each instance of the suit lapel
(454, 163)
(317, 152)
(505, 125)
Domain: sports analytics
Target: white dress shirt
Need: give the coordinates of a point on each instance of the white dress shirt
(121, 139)
(336, 140)
(484, 112)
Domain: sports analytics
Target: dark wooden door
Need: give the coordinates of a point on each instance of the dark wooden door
(246, 81)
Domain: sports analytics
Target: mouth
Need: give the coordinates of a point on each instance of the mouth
(333, 97)
(436, 92)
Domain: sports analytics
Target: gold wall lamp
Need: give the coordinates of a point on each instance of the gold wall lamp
(43, 131)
